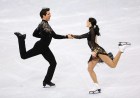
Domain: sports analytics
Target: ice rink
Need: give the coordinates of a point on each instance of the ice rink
(118, 20)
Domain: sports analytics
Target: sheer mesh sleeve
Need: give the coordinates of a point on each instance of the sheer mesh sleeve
(37, 31)
(80, 36)
(57, 36)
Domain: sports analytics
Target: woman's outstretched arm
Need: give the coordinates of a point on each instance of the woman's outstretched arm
(80, 36)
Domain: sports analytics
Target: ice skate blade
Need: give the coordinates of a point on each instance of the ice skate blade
(95, 92)
(47, 86)
(124, 43)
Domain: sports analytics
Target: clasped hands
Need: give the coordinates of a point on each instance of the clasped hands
(70, 36)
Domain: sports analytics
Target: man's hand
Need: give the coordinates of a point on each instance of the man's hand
(70, 36)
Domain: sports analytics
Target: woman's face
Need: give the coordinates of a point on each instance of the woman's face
(88, 24)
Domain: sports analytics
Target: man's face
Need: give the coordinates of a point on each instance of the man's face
(47, 16)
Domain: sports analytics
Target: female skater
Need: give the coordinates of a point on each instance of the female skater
(98, 53)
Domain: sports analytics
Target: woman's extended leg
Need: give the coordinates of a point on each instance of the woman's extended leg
(113, 63)
(109, 62)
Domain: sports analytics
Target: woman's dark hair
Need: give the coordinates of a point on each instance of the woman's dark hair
(44, 12)
(94, 25)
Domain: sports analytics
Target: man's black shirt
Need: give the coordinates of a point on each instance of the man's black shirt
(46, 33)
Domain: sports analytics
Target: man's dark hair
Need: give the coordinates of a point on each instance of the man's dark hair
(44, 12)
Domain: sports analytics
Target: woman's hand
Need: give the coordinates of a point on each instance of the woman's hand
(70, 36)
(93, 54)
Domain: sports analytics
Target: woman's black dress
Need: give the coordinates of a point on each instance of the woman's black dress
(91, 36)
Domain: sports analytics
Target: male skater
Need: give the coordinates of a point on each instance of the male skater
(45, 33)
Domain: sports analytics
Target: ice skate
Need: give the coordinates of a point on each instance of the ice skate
(48, 84)
(123, 46)
(19, 35)
(96, 89)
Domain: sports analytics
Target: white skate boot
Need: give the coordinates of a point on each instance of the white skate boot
(96, 89)
(123, 46)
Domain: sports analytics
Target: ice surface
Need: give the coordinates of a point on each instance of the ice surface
(118, 21)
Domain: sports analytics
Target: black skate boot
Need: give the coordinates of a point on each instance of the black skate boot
(48, 84)
(19, 35)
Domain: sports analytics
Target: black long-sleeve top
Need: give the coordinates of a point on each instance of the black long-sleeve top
(91, 36)
(46, 33)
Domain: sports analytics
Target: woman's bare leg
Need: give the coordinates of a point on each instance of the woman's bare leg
(109, 62)
(91, 66)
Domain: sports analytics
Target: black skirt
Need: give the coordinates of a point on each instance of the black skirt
(100, 51)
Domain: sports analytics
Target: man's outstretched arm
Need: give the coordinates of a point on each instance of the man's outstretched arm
(57, 36)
